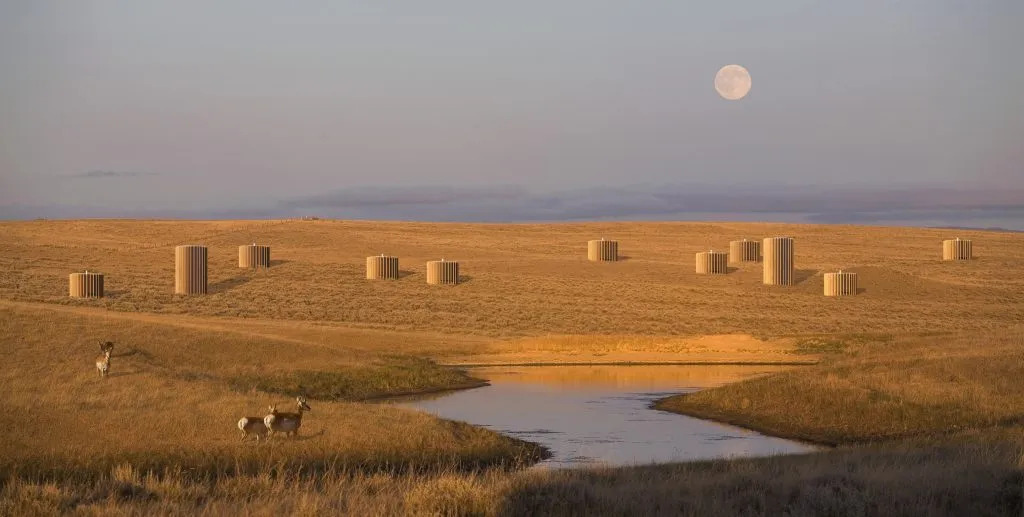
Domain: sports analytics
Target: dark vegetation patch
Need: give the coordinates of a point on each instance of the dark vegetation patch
(392, 376)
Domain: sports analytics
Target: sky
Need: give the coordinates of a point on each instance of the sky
(415, 109)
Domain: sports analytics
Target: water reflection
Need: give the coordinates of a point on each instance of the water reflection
(601, 414)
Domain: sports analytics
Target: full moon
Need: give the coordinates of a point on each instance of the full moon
(732, 82)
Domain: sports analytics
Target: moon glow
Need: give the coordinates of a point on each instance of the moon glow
(732, 82)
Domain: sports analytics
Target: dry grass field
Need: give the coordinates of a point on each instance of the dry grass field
(916, 375)
(869, 390)
(529, 279)
(174, 396)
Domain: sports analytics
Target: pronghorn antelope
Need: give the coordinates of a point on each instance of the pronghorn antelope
(287, 423)
(252, 425)
(103, 361)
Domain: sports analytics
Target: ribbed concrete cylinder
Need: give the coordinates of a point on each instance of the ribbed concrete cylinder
(381, 267)
(956, 249)
(778, 261)
(190, 269)
(602, 250)
(442, 272)
(842, 283)
(85, 285)
(253, 256)
(744, 251)
(712, 263)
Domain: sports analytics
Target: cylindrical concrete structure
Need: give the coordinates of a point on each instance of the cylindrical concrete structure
(190, 269)
(778, 261)
(842, 283)
(957, 249)
(744, 251)
(712, 263)
(442, 272)
(602, 250)
(85, 285)
(381, 267)
(253, 256)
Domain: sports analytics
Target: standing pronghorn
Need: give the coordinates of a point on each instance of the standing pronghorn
(287, 423)
(103, 361)
(253, 425)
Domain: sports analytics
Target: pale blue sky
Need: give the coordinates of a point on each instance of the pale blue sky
(219, 105)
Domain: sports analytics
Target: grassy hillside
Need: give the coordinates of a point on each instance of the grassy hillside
(881, 389)
(175, 394)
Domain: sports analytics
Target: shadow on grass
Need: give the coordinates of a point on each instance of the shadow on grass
(390, 377)
(402, 273)
(299, 438)
(882, 480)
(278, 262)
(802, 275)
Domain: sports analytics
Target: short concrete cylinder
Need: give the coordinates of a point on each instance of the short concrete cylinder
(85, 285)
(442, 272)
(253, 256)
(712, 263)
(381, 267)
(778, 261)
(744, 251)
(956, 249)
(190, 269)
(602, 250)
(842, 283)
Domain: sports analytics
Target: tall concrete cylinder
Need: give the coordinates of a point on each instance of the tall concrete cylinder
(957, 249)
(602, 250)
(85, 285)
(381, 267)
(842, 283)
(253, 256)
(744, 251)
(778, 261)
(190, 269)
(712, 263)
(442, 272)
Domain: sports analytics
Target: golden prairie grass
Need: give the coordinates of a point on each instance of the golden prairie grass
(528, 279)
(172, 400)
(977, 475)
(883, 389)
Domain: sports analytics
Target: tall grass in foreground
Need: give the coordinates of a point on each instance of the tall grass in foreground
(979, 479)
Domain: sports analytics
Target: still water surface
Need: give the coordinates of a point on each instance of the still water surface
(601, 415)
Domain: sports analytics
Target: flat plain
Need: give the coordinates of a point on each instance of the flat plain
(529, 279)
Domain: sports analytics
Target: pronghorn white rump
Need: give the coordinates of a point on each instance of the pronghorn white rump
(252, 425)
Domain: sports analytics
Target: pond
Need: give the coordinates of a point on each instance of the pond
(601, 415)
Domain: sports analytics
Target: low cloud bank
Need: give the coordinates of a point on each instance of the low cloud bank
(504, 203)
(500, 203)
